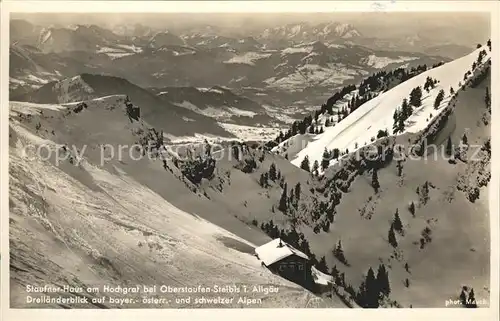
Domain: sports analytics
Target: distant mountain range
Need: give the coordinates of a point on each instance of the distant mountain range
(292, 57)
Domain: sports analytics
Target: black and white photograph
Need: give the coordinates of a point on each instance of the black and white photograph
(255, 160)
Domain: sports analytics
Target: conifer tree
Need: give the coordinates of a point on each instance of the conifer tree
(395, 115)
(471, 301)
(305, 164)
(416, 97)
(335, 272)
(412, 208)
(439, 99)
(283, 200)
(464, 139)
(463, 297)
(361, 296)
(395, 126)
(297, 191)
(372, 290)
(406, 109)
(398, 225)
(401, 124)
(315, 167)
(272, 172)
(383, 280)
(325, 162)
(338, 252)
(392, 237)
(322, 265)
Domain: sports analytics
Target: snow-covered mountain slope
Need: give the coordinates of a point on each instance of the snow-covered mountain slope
(437, 243)
(160, 113)
(81, 223)
(300, 32)
(362, 125)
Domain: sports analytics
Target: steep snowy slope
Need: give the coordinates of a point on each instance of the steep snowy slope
(83, 223)
(361, 126)
(162, 114)
(441, 200)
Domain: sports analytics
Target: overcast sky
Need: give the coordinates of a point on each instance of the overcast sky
(462, 27)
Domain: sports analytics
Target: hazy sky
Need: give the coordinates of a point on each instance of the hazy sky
(465, 27)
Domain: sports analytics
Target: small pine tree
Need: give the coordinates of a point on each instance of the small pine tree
(372, 290)
(315, 167)
(398, 225)
(283, 200)
(397, 116)
(272, 172)
(325, 162)
(471, 301)
(305, 164)
(463, 297)
(338, 252)
(392, 237)
(401, 124)
(412, 208)
(322, 265)
(464, 139)
(383, 280)
(416, 97)
(439, 99)
(452, 91)
(406, 109)
(335, 272)
(297, 191)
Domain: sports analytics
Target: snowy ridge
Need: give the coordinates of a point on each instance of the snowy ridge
(381, 62)
(362, 125)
